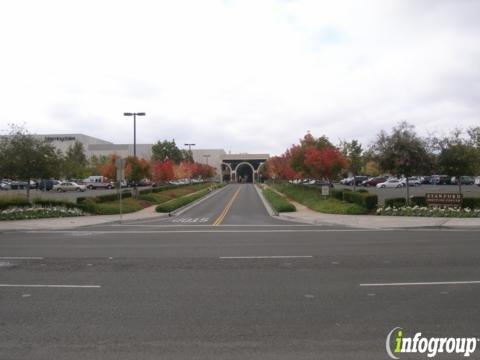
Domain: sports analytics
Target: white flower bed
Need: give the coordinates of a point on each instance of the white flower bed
(37, 212)
(428, 212)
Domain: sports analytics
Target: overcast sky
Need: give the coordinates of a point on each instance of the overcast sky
(249, 76)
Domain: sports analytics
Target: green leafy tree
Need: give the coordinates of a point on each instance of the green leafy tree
(23, 157)
(353, 152)
(75, 162)
(167, 150)
(401, 152)
(459, 159)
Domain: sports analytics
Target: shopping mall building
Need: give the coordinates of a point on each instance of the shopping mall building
(236, 167)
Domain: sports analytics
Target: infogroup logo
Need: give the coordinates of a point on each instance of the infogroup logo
(397, 343)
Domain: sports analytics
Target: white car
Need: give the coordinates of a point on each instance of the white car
(477, 181)
(412, 181)
(391, 183)
(69, 186)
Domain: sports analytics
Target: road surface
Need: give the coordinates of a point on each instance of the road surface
(224, 280)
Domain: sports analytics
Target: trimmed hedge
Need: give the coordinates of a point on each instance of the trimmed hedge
(336, 193)
(104, 198)
(364, 191)
(6, 202)
(472, 203)
(395, 202)
(52, 203)
(368, 201)
(418, 201)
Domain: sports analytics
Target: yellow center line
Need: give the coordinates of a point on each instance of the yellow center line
(227, 208)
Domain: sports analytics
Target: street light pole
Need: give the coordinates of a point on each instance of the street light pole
(189, 146)
(134, 130)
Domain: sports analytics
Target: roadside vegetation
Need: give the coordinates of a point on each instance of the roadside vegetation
(312, 198)
(18, 208)
(278, 202)
(177, 203)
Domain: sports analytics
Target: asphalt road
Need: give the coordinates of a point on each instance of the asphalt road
(239, 285)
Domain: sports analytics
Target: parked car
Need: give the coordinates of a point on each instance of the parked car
(440, 180)
(412, 181)
(477, 181)
(391, 183)
(47, 185)
(358, 179)
(18, 185)
(69, 186)
(373, 181)
(5, 185)
(464, 180)
(426, 180)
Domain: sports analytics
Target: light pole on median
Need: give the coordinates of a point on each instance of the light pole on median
(134, 130)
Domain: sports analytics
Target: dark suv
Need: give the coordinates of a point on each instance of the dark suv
(47, 185)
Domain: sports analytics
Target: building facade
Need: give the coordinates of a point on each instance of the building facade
(233, 167)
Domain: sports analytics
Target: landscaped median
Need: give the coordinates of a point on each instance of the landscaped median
(339, 201)
(278, 202)
(174, 204)
(172, 197)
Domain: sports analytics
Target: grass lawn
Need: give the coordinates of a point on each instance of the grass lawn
(278, 202)
(312, 199)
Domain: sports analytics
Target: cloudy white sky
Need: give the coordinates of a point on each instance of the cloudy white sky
(250, 76)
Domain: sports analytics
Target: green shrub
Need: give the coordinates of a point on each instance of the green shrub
(362, 191)
(395, 202)
(52, 203)
(104, 198)
(9, 201)
(418, 201)
(368, 201)
(278, 202)
(472, 203)
(336, 193)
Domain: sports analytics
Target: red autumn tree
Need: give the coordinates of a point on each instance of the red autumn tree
(325, 163)
(109, 169)
(162, 171)
(278, 167)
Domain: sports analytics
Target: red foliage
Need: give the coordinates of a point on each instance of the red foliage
(278, 167)
(109, 169)
(162, 171)
(324, 163)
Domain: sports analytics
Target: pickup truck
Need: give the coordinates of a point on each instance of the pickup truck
(98, 182)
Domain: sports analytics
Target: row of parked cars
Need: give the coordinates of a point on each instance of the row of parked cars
(392, 182)
(79, 185)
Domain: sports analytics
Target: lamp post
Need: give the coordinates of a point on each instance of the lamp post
(134, 130)
(189, 146)
(206, 158)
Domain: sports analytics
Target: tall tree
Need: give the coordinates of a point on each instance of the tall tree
(167, 150)
(353, 152)
(136, 169)
(23, 157)
(401, 152)
(459, 159)
(75, 162)
(162, 171)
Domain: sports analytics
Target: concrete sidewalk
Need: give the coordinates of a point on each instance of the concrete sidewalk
(73, 222)
(308, 216)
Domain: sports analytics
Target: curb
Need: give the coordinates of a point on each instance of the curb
(267, 205)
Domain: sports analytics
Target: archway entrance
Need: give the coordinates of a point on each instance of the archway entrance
(244, 173)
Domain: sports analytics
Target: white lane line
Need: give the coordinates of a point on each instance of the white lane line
(425, 283)
(266, 257)
(52, 286)
(20, 258)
